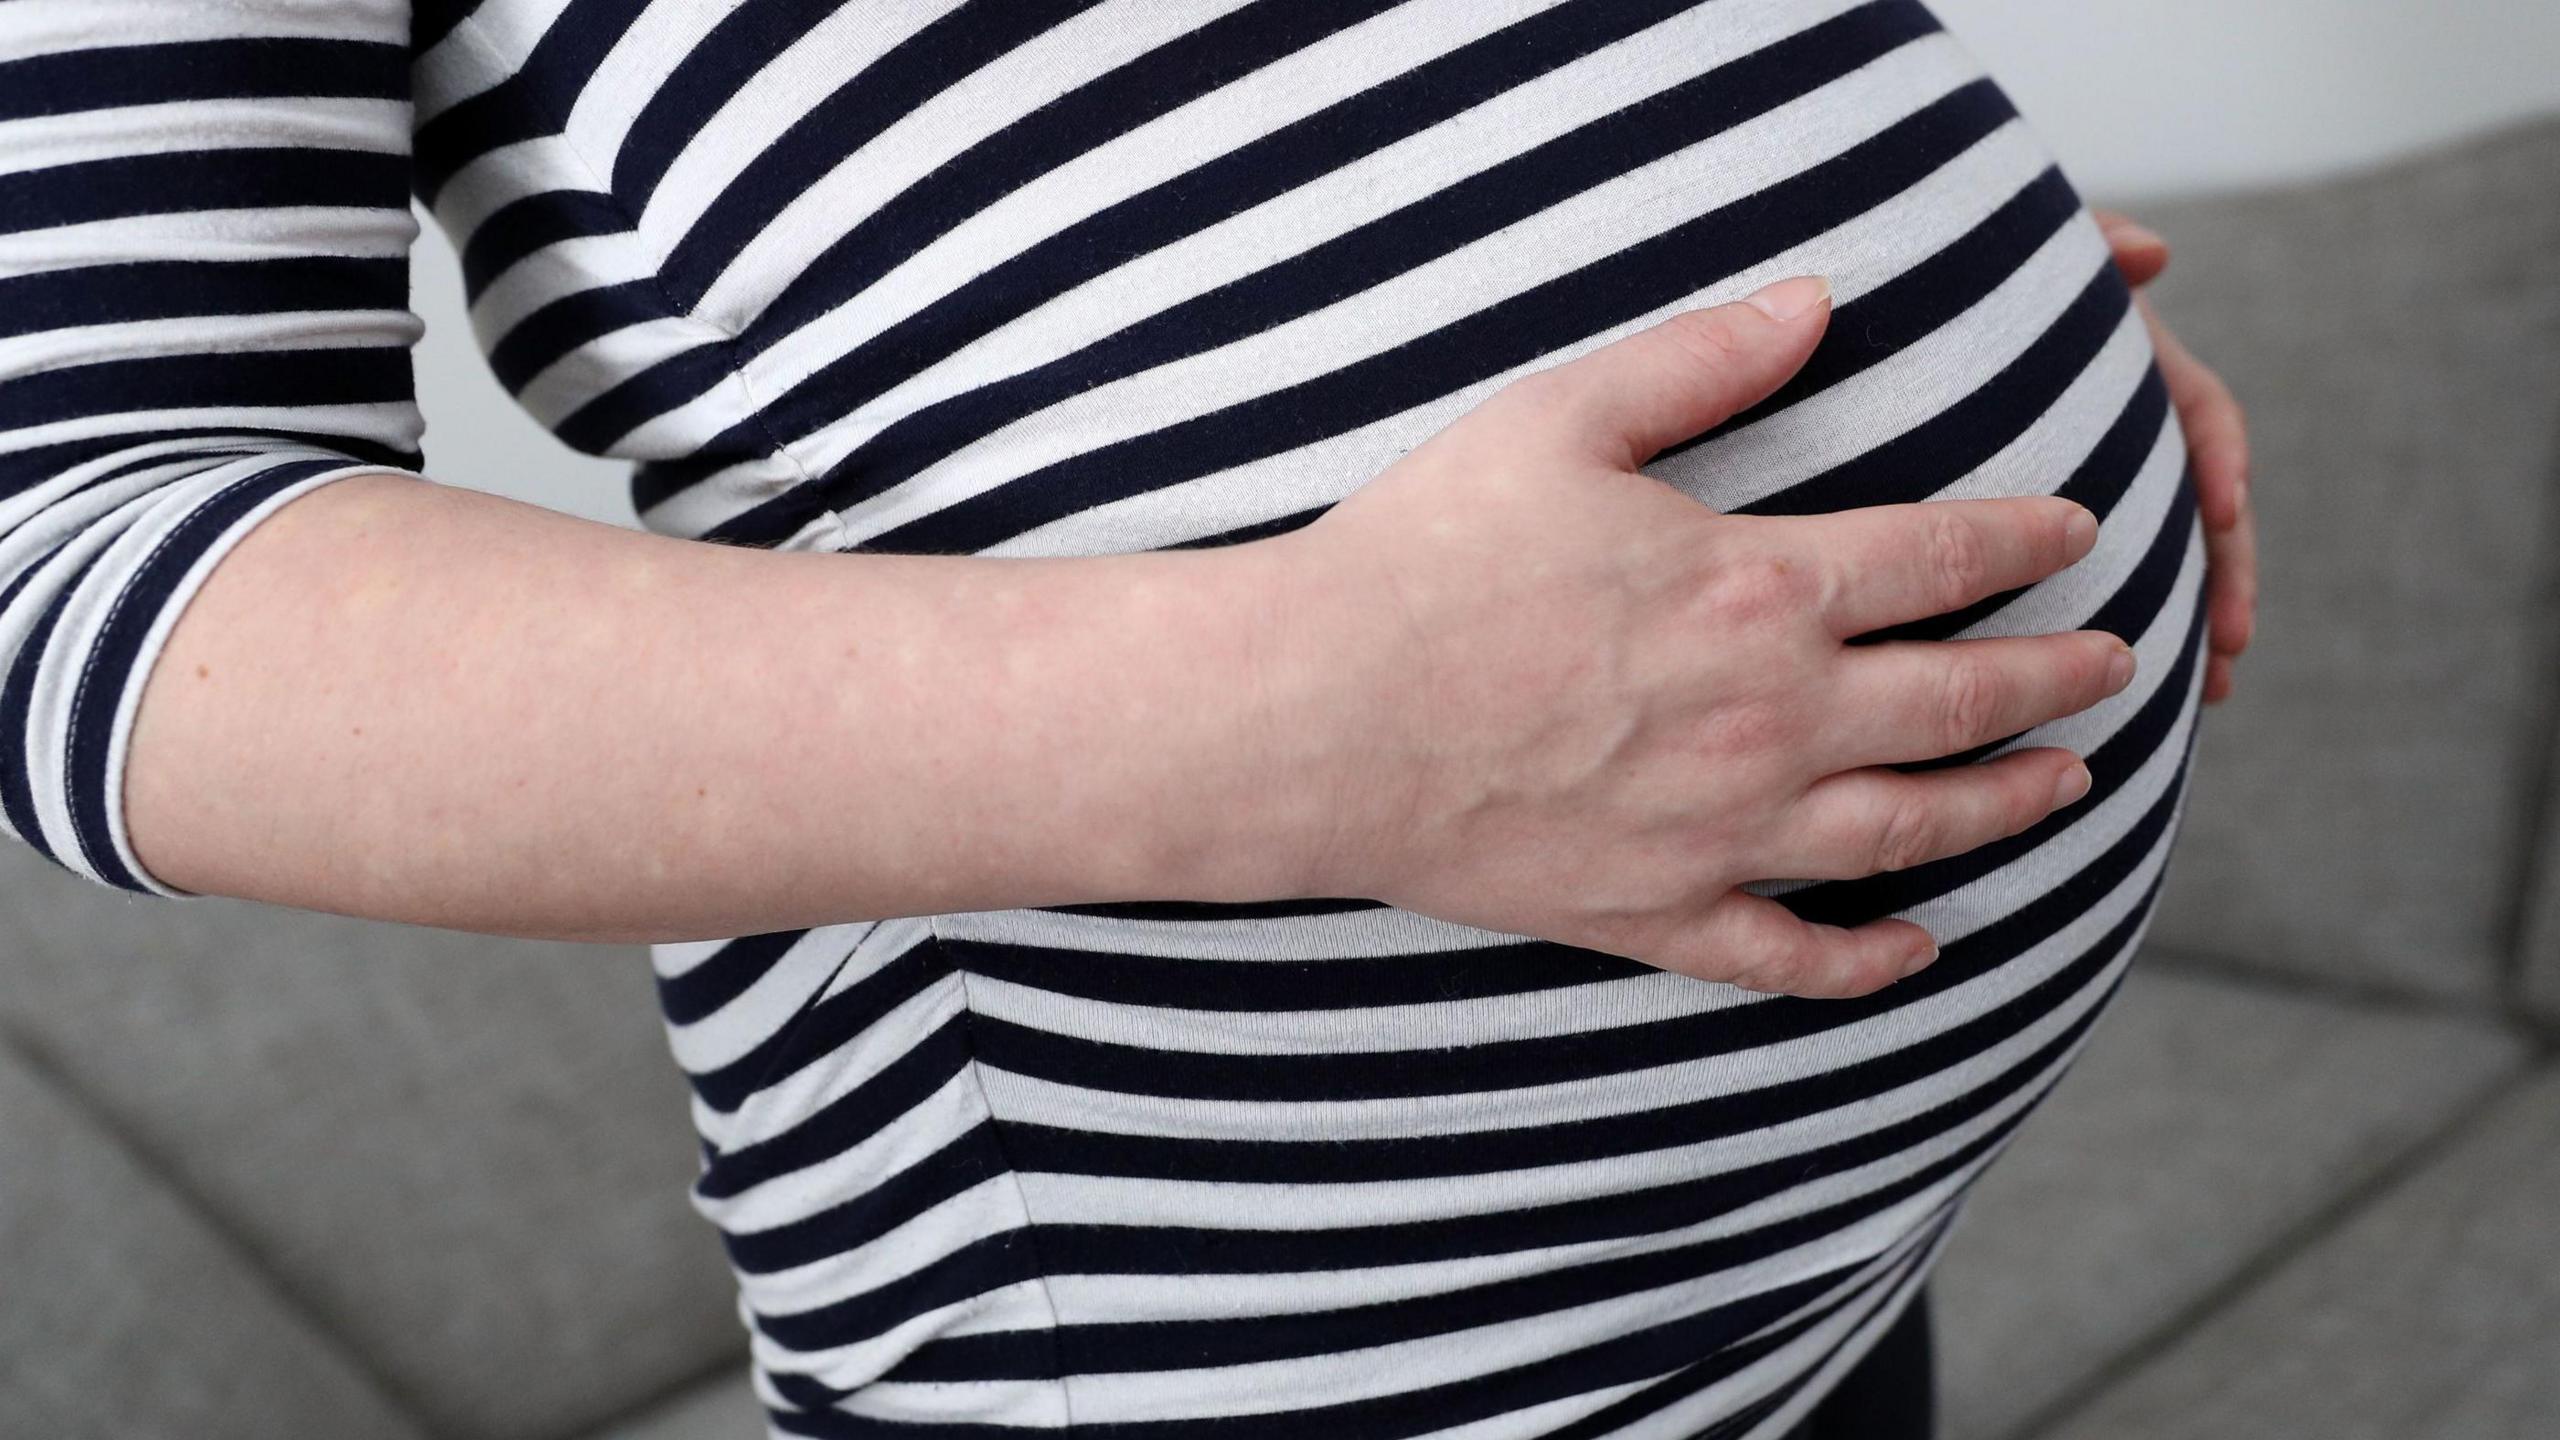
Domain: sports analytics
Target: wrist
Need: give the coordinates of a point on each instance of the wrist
(1321, 786)
(1186, 725)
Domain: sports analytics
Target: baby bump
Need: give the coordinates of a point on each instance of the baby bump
(1296, 1150)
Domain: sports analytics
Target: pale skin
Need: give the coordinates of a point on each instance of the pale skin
(1511, 682)
(2218, 440)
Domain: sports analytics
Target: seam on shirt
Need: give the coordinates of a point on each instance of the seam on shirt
(603, 188)
(89, 668)
(783, 1033)
(1021, 1198)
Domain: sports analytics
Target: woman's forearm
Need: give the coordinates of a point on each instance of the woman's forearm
(414, 702)
(1510, 682)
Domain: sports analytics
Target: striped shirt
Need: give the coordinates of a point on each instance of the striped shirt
(1064, 277)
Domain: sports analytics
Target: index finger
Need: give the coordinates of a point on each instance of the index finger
(1892, 564)
(2139, 252)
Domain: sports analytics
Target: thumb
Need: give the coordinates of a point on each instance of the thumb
(1634, 398)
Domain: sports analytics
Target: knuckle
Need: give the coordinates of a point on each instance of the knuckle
(1778, 968)
(1760, 586)
(1746, 727)
(1959, 562)
(1705, 338)
(1906, 836)
(1972, 698)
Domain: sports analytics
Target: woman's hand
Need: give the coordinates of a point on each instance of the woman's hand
(1601, 706)
(2218, 441)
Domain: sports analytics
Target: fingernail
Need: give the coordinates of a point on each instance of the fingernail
(2081, 529)
(2073, 784)
(2120, 668)
(1789, 299)
(1919, 962)
(2141, 235)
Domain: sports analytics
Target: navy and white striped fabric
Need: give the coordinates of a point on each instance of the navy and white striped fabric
(1080, 276)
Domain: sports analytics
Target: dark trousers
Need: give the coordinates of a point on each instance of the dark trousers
(1891, 1395)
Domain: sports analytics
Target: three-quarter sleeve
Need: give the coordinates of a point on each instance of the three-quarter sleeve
(204, 236)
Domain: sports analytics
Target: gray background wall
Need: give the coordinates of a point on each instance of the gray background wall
(2139, 97)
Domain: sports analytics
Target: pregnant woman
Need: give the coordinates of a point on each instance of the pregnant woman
(1346, 764)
